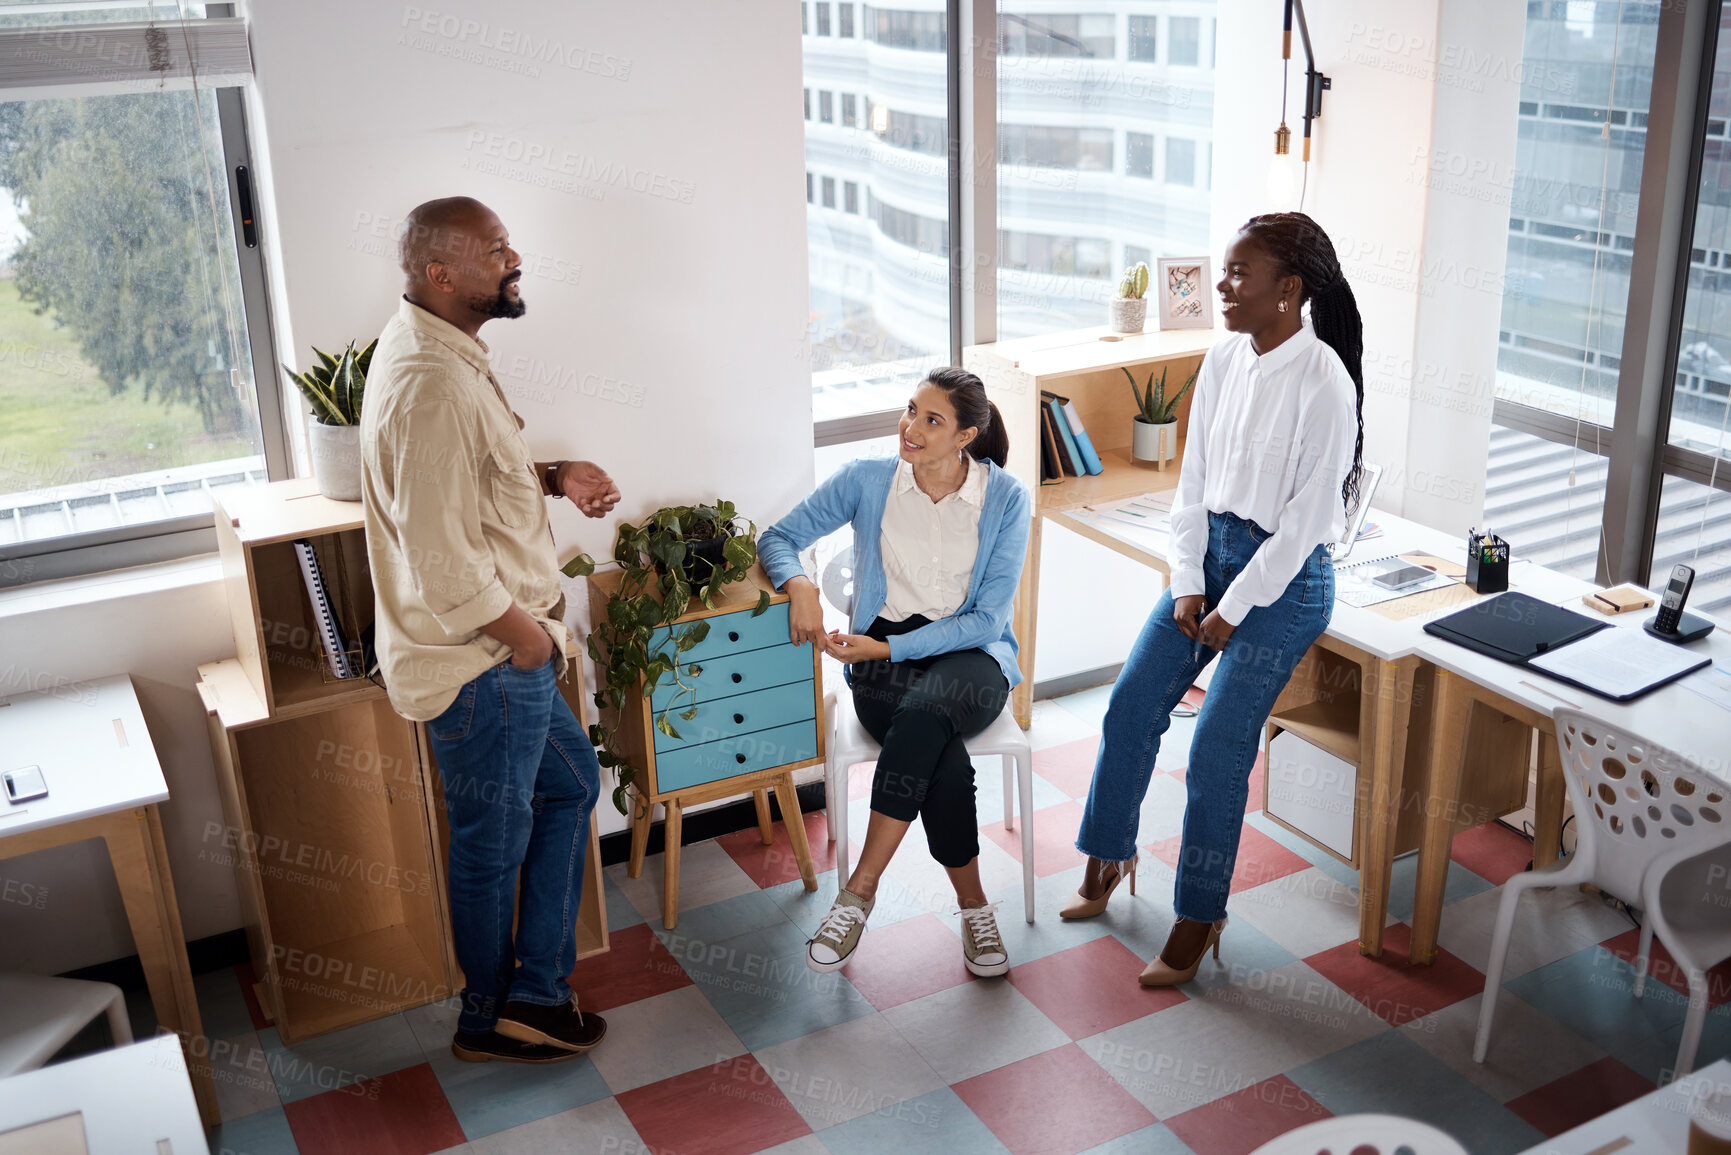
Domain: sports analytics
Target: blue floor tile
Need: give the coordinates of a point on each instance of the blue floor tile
(761, 987)
(1089, 705)
(1592, 992)
(720, 921)
(490, 1097)
(352, 1055)
(261, 1133)
(1389, 1073)
(1403, 883)
(620, 912)
(938, 1123)
(1155, 1140)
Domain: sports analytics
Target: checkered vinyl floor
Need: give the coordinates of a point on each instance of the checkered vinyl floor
(721, 1041)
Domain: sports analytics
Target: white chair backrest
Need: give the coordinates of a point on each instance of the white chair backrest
(837, 584)
(1636, 800)
(1364, 1135)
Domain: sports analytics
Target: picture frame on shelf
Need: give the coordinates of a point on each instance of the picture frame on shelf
(1182, 290)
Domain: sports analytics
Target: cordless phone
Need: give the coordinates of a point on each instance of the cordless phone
(1671, 605)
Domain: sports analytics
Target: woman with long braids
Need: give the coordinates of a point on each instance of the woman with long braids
(1273, 456)
(940, 531)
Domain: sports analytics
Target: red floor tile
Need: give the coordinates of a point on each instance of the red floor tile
(635, 967)
(1054, 838)
(1069, 767)
(1260, 858)
(1586, 1094)
(1668, 970)
(1060, 1100)
(907, 960)
(1391, 986)
(1091, 988)
(403, 1113)
(1241, 1122)
(1492, 851)
(244, 973)
(776, 863)
(729, 1109)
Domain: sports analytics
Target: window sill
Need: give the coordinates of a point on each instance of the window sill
(91, 589)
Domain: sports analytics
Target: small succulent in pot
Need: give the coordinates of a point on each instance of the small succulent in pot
(1130, 306)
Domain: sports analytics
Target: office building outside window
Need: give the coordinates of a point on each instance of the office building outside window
(879, 268)
(1068, 229)
(829, 192)
(826, 107)
(823, 17)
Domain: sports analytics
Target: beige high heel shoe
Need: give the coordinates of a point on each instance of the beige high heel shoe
(1079, 907)
(1158, 974)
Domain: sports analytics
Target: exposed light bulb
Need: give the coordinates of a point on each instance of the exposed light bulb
(1280, 182)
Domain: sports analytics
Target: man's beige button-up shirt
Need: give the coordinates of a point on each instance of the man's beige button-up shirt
(456, 522)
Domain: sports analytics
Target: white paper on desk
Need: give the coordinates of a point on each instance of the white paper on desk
(1617, 662)
(1353, 584)
(1153, 534)
(1713, 684)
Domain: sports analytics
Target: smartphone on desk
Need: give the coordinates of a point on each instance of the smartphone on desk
(1401, 578)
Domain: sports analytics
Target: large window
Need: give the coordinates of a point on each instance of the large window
(1071, 215)
(126, 358)
(880, 271)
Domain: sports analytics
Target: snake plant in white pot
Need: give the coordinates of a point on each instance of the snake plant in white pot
(1154, 431)
(333, 389)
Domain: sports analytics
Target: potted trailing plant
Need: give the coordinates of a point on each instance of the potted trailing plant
(680, 553)
(1130, 307)
(333, 389)
(1154, 432)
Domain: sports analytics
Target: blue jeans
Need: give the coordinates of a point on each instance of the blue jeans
(1254, 667)
(520, 782)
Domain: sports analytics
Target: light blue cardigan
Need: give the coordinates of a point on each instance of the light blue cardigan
(855, 496)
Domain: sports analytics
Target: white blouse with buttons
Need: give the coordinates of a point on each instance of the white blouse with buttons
(929, 547)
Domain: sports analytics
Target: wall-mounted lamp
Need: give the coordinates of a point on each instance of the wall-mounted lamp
(1280, 175)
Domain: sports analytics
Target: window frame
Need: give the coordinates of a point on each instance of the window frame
(172, 539)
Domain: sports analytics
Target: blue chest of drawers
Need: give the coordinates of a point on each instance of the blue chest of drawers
(756, 704)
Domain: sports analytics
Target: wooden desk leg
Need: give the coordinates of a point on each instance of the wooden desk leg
(140, 858)
(641, 813)
(1385, 696)
(673, 831)
(1026, 616)
(1548, 806)
(765, 827)
(795, 822)
(1448, 743)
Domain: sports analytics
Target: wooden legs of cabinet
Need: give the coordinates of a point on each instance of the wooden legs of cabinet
(1453, 707)
(795, 822)
(765, 826)
(641, 812)
(1385, 709)
(674, 832)
(1025, 614)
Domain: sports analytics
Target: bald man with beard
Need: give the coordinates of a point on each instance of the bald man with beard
(470, 631)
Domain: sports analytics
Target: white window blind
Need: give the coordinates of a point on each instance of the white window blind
(91, 59)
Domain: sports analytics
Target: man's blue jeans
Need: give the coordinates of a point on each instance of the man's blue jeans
(520, 781)
(1254, 667)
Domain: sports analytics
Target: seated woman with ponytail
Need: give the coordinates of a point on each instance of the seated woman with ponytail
(1273, 454)
(940, 532)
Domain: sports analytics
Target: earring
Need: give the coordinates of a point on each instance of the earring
(1282, 306)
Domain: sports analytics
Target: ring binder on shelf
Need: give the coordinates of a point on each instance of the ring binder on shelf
(337, 654)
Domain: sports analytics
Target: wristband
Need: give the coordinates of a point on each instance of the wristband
(550, 479)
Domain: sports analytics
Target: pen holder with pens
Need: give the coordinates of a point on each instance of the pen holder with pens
(1487, 563)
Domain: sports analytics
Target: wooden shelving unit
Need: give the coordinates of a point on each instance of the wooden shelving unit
(1085, 365)
(335, 809)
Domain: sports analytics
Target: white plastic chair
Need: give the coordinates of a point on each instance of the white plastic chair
(848, 743)
(39, 1014)
(1364, 1135)
(1643, 812)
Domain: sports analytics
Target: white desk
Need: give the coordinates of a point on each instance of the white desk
(1389, 652)
(1658, 1121)
(104, 782)
(131, 1099)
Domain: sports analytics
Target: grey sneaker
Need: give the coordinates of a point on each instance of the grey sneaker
(833, 944)
(982, 947)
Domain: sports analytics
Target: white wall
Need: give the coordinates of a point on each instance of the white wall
(666, 282)
(1409, 175)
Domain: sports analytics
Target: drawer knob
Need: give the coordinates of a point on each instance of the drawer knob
(733, 635)
(738, 718)
(739, 757)
(739, 677)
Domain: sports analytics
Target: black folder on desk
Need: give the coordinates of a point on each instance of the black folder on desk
(1513, 627)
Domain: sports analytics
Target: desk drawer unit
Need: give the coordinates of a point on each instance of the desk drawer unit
(731, 674)
(733, 633)
(712, 761)
(740, 714)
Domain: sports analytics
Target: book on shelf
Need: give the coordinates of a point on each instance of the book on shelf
(1083, 442)
(1050, 470)
(1071, 457)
